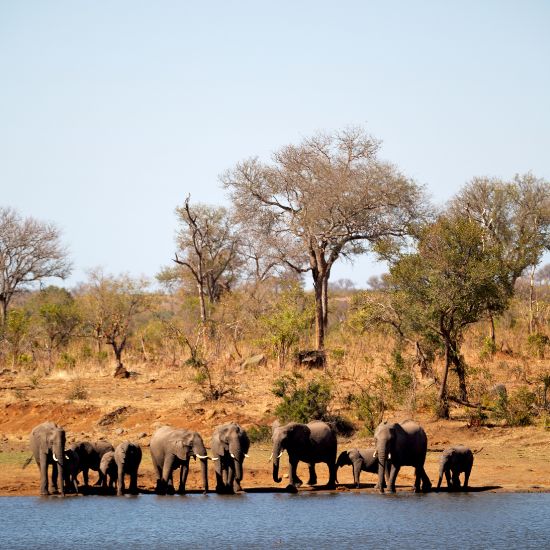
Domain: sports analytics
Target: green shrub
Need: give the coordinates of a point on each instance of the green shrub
(488, 349)
(259, 434)
(66, 361)
(400, 377)
(537, 343)
(517, 410)
(302, 402)
(369, 408)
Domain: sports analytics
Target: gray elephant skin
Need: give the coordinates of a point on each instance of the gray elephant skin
(230, 443)
(172, 448)
(124, 460)
(310, 443)
(88, 457)
(453, 462)
(362, 460)
(47, 442)
(403, 444)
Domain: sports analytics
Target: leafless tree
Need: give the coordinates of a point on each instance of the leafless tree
(30, 251)
(327, 198)
(208, 247)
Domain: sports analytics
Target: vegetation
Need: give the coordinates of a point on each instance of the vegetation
(465, 305)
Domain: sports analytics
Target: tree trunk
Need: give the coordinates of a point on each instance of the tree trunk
(319, 314)
(4, 311)
(460, 370)
(202, 302)
(492, 329)
(443, 408)
(531, 300)
(325, 300)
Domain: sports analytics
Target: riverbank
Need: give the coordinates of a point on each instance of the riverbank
(507, 459)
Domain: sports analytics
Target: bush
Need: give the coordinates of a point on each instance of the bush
(302, 402)
(517, 410)
(259, 434)
(400, 377)
(370, 405)
(537, 343)
(488, 349)
(77, 391)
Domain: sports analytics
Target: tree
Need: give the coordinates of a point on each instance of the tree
(111, 306)
(208, 248)
(452, 280)
(30, 251)
(515, 215)
(327, 198)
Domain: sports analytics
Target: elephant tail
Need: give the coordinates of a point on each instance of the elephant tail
(27, 462)
(476, 451)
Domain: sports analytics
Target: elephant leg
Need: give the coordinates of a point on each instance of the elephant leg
(466, 478)
(393, 476)
(167, 475)
(133, 482)
(357, 472)
(230, 478)
(331, 474)
(220, 485)
(55, 489)
(85, 476)
(456, 480)
(448, 479)
(293, 476)
(43, 467)
(312, 475)
(426, 483)
(120, 482)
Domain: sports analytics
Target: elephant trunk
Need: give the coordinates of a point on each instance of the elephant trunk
(238, 468)
(204, 467)
(58, 454)
(276, 456)
(381, 452)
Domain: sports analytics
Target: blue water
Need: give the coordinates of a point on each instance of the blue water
(304, 520)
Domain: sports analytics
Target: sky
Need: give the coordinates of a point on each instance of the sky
(112, 112)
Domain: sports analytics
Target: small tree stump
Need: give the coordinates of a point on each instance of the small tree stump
(312, 359)
(121, 372)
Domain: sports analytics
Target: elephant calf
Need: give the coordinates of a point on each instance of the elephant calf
(453, 462)
(89, 457)
(361, 459)
(125, 459)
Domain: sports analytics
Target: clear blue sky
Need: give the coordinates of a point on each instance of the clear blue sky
(111, 112)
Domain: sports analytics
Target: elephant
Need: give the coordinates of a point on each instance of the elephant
(362, 460)
(71, 470)
(230, 444)
(47, 442)
(125, 459)
(89, 457)
(172, 448)
(311, 443)
(402, 444)
(455, 461)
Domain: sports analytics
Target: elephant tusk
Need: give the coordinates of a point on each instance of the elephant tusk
(246, 455)
(54, 457)
(214, 459)
(232, 455)
(270, 457)
(374, 454)
(389, 456)
(200, 456)
(280, 454)
(67, 457)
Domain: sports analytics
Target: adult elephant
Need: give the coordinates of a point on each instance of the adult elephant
(311, 443)
(171, 448)
(403, 444)
(230, 444)
(125, 460)
(453, 462)
(89, 457)
(47, 442)
(361, 459)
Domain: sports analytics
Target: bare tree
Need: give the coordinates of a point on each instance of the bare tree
(208, 247)
(327, 198)
(30, 251)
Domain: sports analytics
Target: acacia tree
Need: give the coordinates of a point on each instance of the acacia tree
(452, 280)
(208, 246)
(30, 251)
(326, 198)
(111, 306)
(515, 216)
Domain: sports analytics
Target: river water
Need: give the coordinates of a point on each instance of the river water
(278, 520)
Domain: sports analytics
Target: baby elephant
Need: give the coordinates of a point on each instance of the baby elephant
(125, 459)
(361, 460)
(453, 462)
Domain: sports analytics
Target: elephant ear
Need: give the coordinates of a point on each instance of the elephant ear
(224, 433)
(299, 432)
(343, 459)
(276, 424)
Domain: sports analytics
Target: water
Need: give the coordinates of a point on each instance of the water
(305, 520)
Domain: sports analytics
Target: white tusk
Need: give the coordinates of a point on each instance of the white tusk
(214, 459)
(246, 455)
(270, 457)
(232, 455)
(389, 456)
(374, 455)
(54, 457)
(280, 454)
(200, 456)
(67, 457)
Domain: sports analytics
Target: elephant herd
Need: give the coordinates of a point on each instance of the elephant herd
(396, 445)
